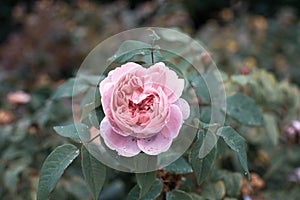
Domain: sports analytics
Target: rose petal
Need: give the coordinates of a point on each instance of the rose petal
(168, 79)
(125, 146)
(124, 69)
(107, 85)
(184, 107)
(106, 90)
(155, 145)
(115, 126)
(172, 128)
(158, 118)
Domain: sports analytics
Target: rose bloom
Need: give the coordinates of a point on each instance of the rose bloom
(143, 108)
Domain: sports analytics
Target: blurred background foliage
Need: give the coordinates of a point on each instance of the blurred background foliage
(42, 43)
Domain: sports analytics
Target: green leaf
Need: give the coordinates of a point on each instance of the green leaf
(201, 166)
(20, 132)
(233, 183)
(243, 109)
(71, 131)
(151, 55)
(178, 194)
(214, 191)
(201, 89)
(53, 168)
(272, 128)
(236, 143)
(115, 189)
(205, 114)
(196, 196)
(92, 80)
(240, 79)
(145, 181)
(66, 90)
(129, 49)
(180, 166)
(130, 45)
(204, 125)
(96, 116)
(92, 100)
(11, 177)
(174, 68)
(76, 186)
(94, 172)
(171, 35)
(153, 193)
(134, 193)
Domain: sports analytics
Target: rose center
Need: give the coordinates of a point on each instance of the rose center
(145, 105)
(141, 110)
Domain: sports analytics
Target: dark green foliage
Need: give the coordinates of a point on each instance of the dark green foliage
(53, 168)
(52, 42)
(94, 172)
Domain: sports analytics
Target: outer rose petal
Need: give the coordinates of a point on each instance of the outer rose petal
(124, 69)
(107, 85)
(172, 128)
(168, 79)
(125, 146)
(184, 107)
(155, 145)
(106, 90)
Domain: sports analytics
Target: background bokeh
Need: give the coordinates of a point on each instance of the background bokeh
(43, 43)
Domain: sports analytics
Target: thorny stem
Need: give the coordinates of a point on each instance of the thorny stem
(154, 38)
(93, 138)
(152, 57)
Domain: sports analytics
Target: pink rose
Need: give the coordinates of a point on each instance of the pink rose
(143, 108)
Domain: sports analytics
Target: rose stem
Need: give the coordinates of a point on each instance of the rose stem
(152, 57)
(93, 138)
(190, 125)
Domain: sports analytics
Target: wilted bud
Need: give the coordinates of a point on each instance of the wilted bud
(206, 58)
(244, 70)
(295, 176)
(18, 97)
(256, 182)
(245, 188)
(6, 117)
(292, 131)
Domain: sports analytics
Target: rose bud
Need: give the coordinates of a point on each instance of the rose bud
(244, 70)
(206, 58)
(18, 97)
